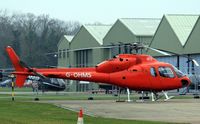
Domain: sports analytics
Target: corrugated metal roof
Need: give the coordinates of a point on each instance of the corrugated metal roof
(69, 37)
(182, 25)
(98, 31)
(141, 26)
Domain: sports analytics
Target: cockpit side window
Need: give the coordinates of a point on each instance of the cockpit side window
(178, 72)
(166, 72)
(153, 71)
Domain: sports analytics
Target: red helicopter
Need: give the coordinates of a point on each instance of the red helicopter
(133, 71)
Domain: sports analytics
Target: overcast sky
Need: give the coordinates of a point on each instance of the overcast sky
(104, 11)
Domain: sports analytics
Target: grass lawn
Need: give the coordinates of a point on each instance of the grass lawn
(8, 89)
(21, 112)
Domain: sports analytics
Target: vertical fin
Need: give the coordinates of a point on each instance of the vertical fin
(20, 78)
(14, 59)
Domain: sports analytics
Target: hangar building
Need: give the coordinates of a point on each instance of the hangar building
(89, 36)
(130, 30)
(176, 33)
(64, 46)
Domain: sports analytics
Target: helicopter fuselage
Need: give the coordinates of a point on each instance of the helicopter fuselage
(133, 71)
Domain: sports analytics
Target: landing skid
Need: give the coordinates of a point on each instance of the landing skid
(128, 94)
(166, 96)
(128, 97)
(154, 96)
(157, 97)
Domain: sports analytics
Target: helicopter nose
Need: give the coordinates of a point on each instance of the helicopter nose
(185, 82)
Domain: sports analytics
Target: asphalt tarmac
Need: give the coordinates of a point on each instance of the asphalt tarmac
(175, 110)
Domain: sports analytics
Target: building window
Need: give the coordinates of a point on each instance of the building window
(153, 71)
(64, 53)
(83, 59)
(60, 54)
(67, 53)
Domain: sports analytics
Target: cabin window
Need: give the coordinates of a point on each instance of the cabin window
(153, 71)
(166, 72)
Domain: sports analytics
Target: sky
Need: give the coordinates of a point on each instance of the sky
(103, 11)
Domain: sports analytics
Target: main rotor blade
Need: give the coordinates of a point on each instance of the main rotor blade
(169, 53)
(195, 62)
(25, 65)
(88, 48)
(39, 75)
(185, 56)
(31, 70)
(159, 51)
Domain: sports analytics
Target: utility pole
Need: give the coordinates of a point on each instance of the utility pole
(13, 86)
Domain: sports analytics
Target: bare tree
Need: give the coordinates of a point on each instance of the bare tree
(32, 36)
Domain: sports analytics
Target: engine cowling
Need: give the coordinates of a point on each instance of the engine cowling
(115, 64)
